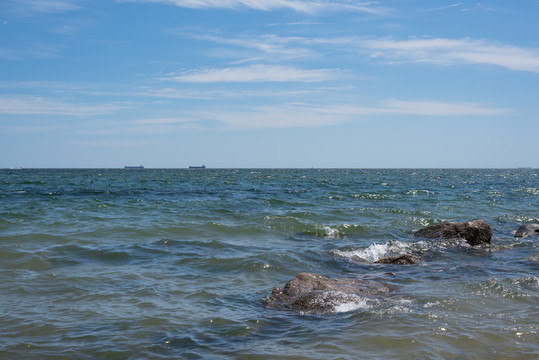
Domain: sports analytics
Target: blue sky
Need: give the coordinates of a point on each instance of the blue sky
(273, 83)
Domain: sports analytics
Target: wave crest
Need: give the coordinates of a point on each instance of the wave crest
(376, 251)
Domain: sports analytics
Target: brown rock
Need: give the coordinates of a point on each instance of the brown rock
(316, 293)
(476, 232)
(527, 230)
(400, 260)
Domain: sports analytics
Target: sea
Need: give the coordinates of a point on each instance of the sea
(177, 263)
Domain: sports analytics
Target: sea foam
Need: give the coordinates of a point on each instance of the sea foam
(375, 251)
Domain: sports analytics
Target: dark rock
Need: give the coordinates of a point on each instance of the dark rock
(316, 293)
(527, 230)
(476, 232)
(400, 260)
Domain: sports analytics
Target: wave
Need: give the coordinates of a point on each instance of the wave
(334, 231)
(376, 252)
(522, 289)
(338, 302)
(529, 190)
(353, 304)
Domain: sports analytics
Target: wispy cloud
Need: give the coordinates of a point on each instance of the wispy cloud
(427, 50)
(303, 6)
(479, 6)
(256, 73)
(164, 125)
(35, 50)
(450, 6)
(171, 93)
(308, 115)
(112, 143)
(453, 51)
(285, 116)
(30, 105)
(297, 23)
(36, 7)
(163, 121)
(226, 93)
(269, 45)
(437, 108)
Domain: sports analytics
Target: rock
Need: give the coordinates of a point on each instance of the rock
(476, 232)
(527, 230)
(316, 293)
(400, 260)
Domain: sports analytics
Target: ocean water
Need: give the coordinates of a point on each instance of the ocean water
(175, 264)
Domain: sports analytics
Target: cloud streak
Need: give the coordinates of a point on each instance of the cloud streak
(275, 46)
(302, 6)
(451, 6)
(30, 105)
(256, 73)
(35, 7)
(31, 50)
(308, 115)
(434, 51)
(439, 51)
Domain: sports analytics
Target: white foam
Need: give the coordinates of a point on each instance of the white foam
(340, 302)
(352, 305)
(331, 232)
(375, 252)
(431, 304)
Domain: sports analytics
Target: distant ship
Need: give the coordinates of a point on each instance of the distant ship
(197, 167)
(134, 167)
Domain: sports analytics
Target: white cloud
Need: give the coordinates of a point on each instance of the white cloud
(256, 73)
(453, 51)
(112, 143)
(286, 116)
(275, 46)
(479, 6)
(31, 50)
(34, 7)
(170, 93)
(410, 107)
(214, 93)
(437, 51)
(163, 121)
(29, 105)
(437, 108)
(303, 6)
(451, 6)
(308, 115)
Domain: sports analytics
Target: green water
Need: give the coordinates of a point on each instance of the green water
(175, 264)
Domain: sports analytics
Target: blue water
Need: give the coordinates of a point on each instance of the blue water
(175, 264)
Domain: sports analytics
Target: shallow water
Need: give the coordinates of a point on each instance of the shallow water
(175, 264)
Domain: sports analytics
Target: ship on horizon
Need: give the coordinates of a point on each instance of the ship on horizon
(134, 167)
(197, 167)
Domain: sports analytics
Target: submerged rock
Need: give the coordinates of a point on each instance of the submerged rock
(400, 260)
(315, 293)
(527, 230)
(476, 232)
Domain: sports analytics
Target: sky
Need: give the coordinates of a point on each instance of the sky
(269, 83)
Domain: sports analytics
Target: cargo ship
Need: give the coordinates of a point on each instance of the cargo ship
(197, 167)
(134, 167)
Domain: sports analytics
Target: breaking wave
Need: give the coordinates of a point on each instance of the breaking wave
(376, 252)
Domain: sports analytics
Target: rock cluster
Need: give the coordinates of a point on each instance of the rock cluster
(313, 293)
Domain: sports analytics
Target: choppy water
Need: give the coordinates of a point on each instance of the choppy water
(174, 264)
